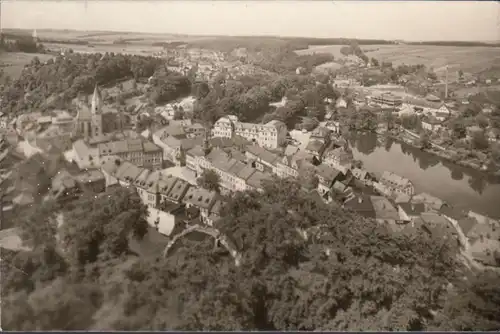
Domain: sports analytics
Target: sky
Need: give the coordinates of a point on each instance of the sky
(406, 20)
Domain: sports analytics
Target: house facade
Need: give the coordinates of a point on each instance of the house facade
(397, 184)
(270, 135)
(139, 152)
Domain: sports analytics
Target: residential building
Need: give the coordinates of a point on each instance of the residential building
(236, 175)
(321, 134)
(361, 204)
(431, 124)
(64, 187)
(397, 184)
(85, 156)
(472, 130)
(341, 103)
(270, 135)
(203, 200)
(166, 218)
(327, 176)
(174, 142)
(410, 211)
(460, 221)
(385, 212)
(486, 228)
(119, 171)
(261, 159)
(315, 148)
(340, 158)
(139, 152)
(289, 165)
(363, 176)
(430, 202)
(333, 126)
(485, 251)
(438, 226)
(493, 135)
(92, 181)
(387, 99)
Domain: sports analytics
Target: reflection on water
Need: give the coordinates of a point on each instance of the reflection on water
(460, 186)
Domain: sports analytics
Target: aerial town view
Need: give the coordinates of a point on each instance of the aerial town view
(164, 166)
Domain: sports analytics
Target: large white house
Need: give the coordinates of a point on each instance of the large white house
(269, 135)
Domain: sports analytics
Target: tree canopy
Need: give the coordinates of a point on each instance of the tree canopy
(59, 80)
(306, 265)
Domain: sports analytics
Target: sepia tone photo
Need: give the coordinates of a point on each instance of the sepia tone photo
(250, 165)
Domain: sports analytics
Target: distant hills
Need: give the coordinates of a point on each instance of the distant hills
(50, 34)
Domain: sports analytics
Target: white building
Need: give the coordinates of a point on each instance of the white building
(269, 135)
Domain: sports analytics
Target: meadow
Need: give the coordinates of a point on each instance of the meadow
(12, 63)
(469, 59)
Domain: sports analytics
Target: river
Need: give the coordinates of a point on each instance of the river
(461, 187)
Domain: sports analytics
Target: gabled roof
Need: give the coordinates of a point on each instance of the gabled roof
(327, 173)
(361, 204)
(255, 180)
(200, 197)
(453, 213)
(314, 146)
(467, 224)
(395, 179)
(412, 209)
(178, 190)
(291, 150)
(384, 208)
(262, 153)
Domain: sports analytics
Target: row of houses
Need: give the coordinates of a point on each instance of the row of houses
(140, 151)
(467, 231)
(169, 199)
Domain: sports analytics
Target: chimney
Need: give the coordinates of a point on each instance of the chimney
(360, 200)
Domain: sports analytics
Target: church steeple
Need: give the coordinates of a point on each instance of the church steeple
(206, 142)
(96, 101)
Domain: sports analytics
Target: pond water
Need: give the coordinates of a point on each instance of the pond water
(460, 186)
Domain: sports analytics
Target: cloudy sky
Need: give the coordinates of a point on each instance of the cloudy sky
(412, 20)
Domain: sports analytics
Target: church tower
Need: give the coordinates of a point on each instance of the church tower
(206, 142)
(96, 111)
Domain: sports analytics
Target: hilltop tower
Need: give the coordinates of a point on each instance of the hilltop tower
(96, 113)
(35, 36)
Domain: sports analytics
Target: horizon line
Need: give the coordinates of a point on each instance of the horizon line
(246, 36)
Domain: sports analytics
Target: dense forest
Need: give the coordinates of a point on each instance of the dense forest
(260, 43)
(305, 266)
(58, 81)
(456, 43)
(249, 97)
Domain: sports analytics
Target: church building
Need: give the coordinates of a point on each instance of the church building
(89, 123)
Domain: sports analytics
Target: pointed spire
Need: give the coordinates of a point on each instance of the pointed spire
(96, 100)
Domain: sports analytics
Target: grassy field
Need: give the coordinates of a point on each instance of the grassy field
(469, 59)
(13, 62)
(105, 37)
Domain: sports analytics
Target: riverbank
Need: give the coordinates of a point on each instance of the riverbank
(450, 156)
(462, 187)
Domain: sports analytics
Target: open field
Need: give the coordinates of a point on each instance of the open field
(142, 50)
(105, 37)
(469, 59)
(13, 63)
